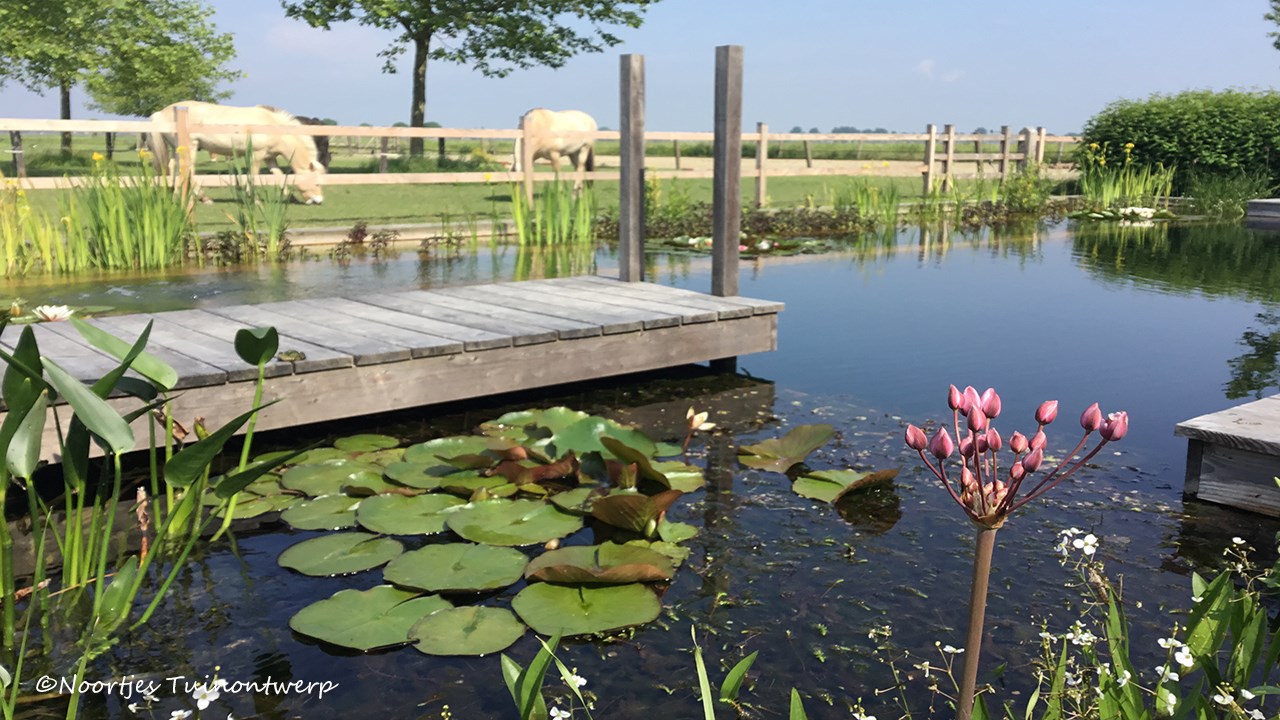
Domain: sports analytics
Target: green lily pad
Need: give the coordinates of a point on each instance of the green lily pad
(457, 567)
(365, 483)
(465, 483)
(832, 485)
(366, 619)
(779, 454)
(558, 418)
(676, 532)
(274, 456)
(585, 436)
(255, 506)
(405, 515)
(340, 554)
(325, 478)
(610, 563)
(366, 442)
(679, 476)
(467, 630)
(512, 522)
(666, 449)
(676, 553)
(578, 500)
(327, 512)
(430, 452)
(577, 610)
(422, 475)
(319, 455)
(382, 457)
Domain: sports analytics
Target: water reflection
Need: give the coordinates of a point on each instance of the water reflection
(1257, 372)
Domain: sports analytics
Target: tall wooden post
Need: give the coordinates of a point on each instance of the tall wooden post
(111, 144)
(762, 159)
(1005, 138)
(808, 154)
(1027, 146)
(383, 148)
(19, 160)
(631, 202)
(930, 155)
(440, 150)
(726, 211)
(949, 150)
(1040, 135)
(675, 147)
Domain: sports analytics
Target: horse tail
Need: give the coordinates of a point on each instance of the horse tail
(590, 164)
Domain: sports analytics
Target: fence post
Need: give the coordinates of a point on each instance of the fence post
(382, 153)
(726, 211)
(808, 154)
(762, 158)
(858, 156)
(1004, 152)
(1040, 145)
(111, 144)
(930, 153)
(1027, 147)
(440, 149)
(19, 160)
(949, 147)
(675, 145)
(631, 201)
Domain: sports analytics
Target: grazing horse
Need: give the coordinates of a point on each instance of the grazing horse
(553, 134)
(298, 150)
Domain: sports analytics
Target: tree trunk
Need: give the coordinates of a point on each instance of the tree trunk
(418, 113)
(64, 92)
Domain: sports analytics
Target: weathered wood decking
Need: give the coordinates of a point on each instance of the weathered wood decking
(1233, 456)
(374, 353)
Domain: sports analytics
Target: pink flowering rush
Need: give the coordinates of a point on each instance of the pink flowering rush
(989, 484)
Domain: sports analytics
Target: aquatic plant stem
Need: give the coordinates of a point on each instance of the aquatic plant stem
(983, 549)
(7, 580)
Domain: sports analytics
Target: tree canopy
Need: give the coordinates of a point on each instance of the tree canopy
(492, 36)
(132, 57)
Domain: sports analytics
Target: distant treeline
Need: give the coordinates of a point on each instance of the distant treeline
(849, 129)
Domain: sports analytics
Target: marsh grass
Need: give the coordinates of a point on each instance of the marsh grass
(1110, 184)
(558, 216)
(123, 222)
(261, 214)
(1226, 197)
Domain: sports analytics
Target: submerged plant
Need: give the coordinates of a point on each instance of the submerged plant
(988, 496)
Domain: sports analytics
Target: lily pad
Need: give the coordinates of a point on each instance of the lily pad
(325, 478)
(512, 522)
(666, 449)
(366, 442)
(610, 563)
(578, 500)
(403, 515)
(423, 475)
(365, 483)
(633, 511)
(382, 457)
(327, 512)
(558, 418)
(465, 483)
(254, 506)
(831, 485)
(320, 455)
(779, 454)
(467, 631)
(585, 435)
(366, 619)
(457, 567)
(340, 554)
(577, 610)
(430, 452)
(679, 476)
(676, 553)
(676, 532)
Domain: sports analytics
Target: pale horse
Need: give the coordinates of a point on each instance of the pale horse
(552, 135)
(299, 151)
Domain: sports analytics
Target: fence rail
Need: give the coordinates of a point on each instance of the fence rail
(940, 154)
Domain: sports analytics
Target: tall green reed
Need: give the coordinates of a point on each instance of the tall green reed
(129, 221)
(1109, 185)
(558, 216)
(261, 213)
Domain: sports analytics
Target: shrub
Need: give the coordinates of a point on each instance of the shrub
(1198, 132)
(1226, 196)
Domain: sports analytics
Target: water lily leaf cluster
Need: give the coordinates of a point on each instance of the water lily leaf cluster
(483, 515)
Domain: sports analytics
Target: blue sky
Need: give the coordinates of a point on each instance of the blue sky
(897, 64)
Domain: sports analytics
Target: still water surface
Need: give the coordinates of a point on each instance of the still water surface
(1166, 323)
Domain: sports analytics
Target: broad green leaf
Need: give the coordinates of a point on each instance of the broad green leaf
(797, 707)
(405, 515)
(679, 476)
(430, 452)
(146, 364)
(733, 681)
(366, 442)
(340, 554)
(586, 436)
(568, 610)
(780, 454)
(327, 477)
(469, 630)
(327, 512)
(608, 563)
(117, 598)
(99, 417)
(258, 345)
(512, 522)
(366, 619)
(190, 463)
(22, 456)
(676, 532)
(457, 567)
(833, 485)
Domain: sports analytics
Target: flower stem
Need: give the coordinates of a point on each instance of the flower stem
(982, 551)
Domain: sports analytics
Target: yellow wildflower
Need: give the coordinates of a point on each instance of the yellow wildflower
(1093, 146)
(1102, 161)
(144, 153)
(885, 163)
(1128, 146)
(488, 177)
(99, 157)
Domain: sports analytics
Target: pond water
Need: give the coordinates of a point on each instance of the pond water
(1166, 323)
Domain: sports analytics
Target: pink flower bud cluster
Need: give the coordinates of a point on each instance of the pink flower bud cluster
(987, 496)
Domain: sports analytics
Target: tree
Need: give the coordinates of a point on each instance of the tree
(493, 36)
(1274, 17)
(980, 130)
(133, 57)
(797, 129)
(814, 131)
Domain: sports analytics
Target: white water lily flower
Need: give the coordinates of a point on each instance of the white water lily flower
(52, 313)
(698, 420)
(204, 695)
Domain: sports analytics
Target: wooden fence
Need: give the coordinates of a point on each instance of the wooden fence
(939, 162)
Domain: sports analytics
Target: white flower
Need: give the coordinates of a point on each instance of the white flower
(1245, 694)
(150, 698)
(1222, 699)
(950, 650)
(575, 681)
(1183, 656)
(1124, 679)
(765, 245)
(1167, 673)
(133, 707)
(1168, 701)
(1167, 643)
(859, 715)
(179, 715)
(1237, 540)
(52, 313)
(926, 667)
(1196, 598)
(558, 714)
(1087, 544)
(1256, 715)
(1083, 638)
(205, 694)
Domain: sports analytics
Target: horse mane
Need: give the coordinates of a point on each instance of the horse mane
(284, 115)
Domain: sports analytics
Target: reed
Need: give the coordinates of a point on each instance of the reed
(130, 221)
(557, 217)
(1123, 183)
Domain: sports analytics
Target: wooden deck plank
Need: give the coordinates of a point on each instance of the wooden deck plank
(758, 307)
(606, 296)
(202, 321)
(1254, 426)
(191, 372)
(216, 351)
(74, 355)
(522, 328)
(469, 338)
(363, 350)
(650, 291)
(326, 311)
(610, 321)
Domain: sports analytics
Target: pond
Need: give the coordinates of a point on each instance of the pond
(1165, 322)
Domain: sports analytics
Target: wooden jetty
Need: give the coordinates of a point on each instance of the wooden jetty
(1233, 456)
(397, 350)
(1263, 214)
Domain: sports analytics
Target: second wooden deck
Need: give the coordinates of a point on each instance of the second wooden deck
(1233, 456)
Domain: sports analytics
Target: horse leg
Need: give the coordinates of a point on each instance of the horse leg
(579, 158)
